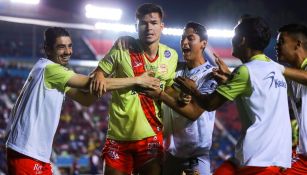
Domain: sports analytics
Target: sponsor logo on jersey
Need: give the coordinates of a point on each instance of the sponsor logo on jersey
(162, 69)
(38, 168)
(277, 83)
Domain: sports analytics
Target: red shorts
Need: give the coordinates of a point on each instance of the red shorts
(252, 170)
(299, 165)
(227, 168)
(20, 164)
(130, 156)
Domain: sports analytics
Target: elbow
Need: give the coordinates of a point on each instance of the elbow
(208, 107)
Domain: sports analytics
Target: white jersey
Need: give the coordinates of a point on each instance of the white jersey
(300, 94)
(266, 130)
(183, 137)
(35, 116)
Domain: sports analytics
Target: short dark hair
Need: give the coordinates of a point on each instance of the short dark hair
(256, 31)
(199, 29)
(298, 31)
(147, 8)
(243, 17)
(52, 33)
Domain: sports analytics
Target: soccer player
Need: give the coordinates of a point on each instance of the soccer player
(188, 141)
(260, 92)
(291, 48)
(35, 116)
(134, 140)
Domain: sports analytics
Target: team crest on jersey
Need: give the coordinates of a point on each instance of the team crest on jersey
(167, 54)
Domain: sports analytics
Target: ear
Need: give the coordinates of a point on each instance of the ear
(162, 26)
(242, 42)
(204, 44)
(299, 44)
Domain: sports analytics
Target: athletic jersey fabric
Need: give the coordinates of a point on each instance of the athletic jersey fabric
(35, 116)
(300, 94)
(266, 131)
(127, 120)
(185, 138)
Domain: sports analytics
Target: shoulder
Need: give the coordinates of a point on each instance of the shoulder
(240, 73)
(167, 51)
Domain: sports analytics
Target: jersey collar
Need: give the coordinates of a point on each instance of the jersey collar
(304, 64)
(260, 57)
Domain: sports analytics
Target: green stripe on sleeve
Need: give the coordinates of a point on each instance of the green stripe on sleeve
(239, 84)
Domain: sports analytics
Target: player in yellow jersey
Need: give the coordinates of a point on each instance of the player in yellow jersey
(134, 138)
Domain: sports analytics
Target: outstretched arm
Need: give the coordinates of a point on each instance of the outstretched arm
(296, 75)
(145, 81)
(208, 102)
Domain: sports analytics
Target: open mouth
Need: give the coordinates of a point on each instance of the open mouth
(186, 50)
(149, 35)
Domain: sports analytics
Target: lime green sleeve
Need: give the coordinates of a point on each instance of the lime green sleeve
(56, 77)
(238, 84)
(109, 62)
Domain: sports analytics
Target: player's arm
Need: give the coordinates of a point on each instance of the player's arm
(82, 97)
(296, 75)
(86, 98)
(146, 80)
(108, 65)
(191, 110)
(237, 85)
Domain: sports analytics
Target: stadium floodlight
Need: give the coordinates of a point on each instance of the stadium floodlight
(115, 27)
(220, 33)
(96, 12)
(34, 2)
(172, 31)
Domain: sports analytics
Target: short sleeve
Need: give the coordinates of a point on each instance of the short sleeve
(57, 76)
(109, 62)
(238, 84)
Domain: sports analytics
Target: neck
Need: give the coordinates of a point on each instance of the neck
(300, 57)
(250, 53)
(151, 50)
(195, 63)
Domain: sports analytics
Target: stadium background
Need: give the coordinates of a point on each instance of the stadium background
(81, 131)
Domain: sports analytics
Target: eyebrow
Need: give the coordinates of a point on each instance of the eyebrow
(63, 45)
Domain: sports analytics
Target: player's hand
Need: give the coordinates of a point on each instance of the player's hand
(223, 68)
(222, 74)
(123, 42)
(147, 81)
(188, 86)
(98, 83)
(184, 98)
(152, 93)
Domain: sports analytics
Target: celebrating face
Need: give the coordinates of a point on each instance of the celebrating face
(149, 28)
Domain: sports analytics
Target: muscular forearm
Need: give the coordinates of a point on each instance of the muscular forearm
(191, 111)
(79, 81)
(209, 102)
(119, 83)
(296, 75)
